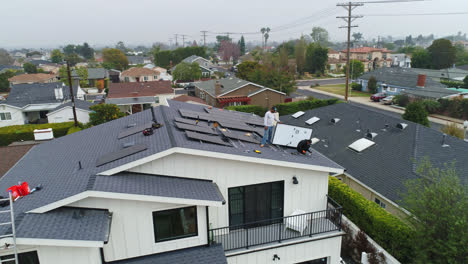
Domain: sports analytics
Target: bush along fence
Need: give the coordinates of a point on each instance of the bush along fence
(10, 134)
(387, 230)
(255, 109)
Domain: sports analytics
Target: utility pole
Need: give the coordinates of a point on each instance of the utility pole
(72, 95)
(176, 43)
(350, 6)
(183, 40)
(204, 37)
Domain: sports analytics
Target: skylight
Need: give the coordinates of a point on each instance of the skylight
(312, 120)
(298, 114)
(361, 145)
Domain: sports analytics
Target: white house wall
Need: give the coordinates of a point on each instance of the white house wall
(309, 195)
(295, 253)
(60, 255)
(132, 233)
(66, 115)
(17, 117)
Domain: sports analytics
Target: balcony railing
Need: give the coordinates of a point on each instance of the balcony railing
(278, 229)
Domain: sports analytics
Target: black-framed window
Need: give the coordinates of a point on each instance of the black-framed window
(175, 223)
(23, 258)
(316, 261)
(254, 203)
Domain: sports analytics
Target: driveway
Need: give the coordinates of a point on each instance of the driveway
(321, 81)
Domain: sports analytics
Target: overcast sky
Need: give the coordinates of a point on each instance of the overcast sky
(51, 23)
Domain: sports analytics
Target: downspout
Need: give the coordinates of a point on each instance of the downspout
(207, 227)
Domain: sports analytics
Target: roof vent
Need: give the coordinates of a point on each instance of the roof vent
(444, 145)
(335, 120)
(298, 114)
(371, 135)
(385, 127)
(401, 125)
(312, 120)
(129, 144)
(315, 140)
(361, 144)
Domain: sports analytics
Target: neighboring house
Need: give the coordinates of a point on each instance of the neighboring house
(136, 60)
(33, 78)
(52, 68)
(189, 99)
(10, 155)
(96, 77)
(137, 74)
(136, 97)
(401, 60)
(114, 75)
(455, 74)
(372, 58)
(30, 103)
(161, 73)
(38, 62)
(336, 64)
(175, 196)
(380, 171)
(234, 91)
(405, 80)
(5, 68)
(207, 68)
(333, 54)
(64, 112)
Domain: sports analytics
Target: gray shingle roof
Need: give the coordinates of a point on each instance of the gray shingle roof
(191, 58)
(403, 77)
(94, 73)
(9, 67)
(36, 93)
(213, 254)
(80, 104)
(131, 100)
(55, 164)
(228, 84)
(385, 166)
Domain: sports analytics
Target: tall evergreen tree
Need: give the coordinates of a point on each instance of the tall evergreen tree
(242, 45)
(300, 55)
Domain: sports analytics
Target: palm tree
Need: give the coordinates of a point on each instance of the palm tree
(263, 30)
(267, 35)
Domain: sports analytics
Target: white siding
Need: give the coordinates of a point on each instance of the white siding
(66, 115)
(132, 232)
(60, 255)
(17, 117)
(294, 253)
(309, 195)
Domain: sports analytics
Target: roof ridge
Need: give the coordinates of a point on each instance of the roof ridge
(415, 149)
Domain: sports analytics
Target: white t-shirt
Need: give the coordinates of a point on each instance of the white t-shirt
(270, 119)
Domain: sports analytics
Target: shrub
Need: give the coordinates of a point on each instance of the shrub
(356, 86)
(372, 85)
(103, 113)
(74, 129)
(431, 106)
(401, 100)
(416, 112)
(293, 107)
(453, 84)
(455, 108)
(452, 129)
(11, 134)
(387, 230)
(255, 109)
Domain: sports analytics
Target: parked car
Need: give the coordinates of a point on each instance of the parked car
(377, 97)
(388, 100)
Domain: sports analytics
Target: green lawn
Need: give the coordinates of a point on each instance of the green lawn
(340, 90)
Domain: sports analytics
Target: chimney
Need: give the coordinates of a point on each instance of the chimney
(217, 88)
(421, 81)
(58, 93)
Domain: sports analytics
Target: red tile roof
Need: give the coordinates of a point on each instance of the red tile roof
(32, 77)
(137, 72)
(139, 89)
(188, 98)
(10, 155)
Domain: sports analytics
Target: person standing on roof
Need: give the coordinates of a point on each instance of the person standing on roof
(269, 122)
(304, 146)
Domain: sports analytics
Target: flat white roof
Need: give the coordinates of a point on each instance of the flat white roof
(361, 144)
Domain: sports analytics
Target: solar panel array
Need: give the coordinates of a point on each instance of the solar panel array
(116, 155)
(206, 138)
(190, 122)
(247, 137)
(134, 130)
(239, 126)
(201, 129)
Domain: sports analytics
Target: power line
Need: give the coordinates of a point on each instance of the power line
(204, 37)
(419, 14)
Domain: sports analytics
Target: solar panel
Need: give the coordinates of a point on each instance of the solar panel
(259, 130)
(207, 138)
(134, 130)
(190, 122)
(113, 156)
(238, 125)
(248, 137)
(201, 129)
(195, 115)
(255, 121)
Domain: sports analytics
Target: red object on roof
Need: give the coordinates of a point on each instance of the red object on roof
(225, 100)
(139, 89)
(19, 190)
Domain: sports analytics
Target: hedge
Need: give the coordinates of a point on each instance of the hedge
(387, 230)
(74, 129)
(11, 134)
(293, 107)
(256, 109)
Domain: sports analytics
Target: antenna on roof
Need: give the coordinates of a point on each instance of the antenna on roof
(443, 141)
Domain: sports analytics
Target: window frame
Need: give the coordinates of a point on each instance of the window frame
(9, 256)
(5, 114)
(175, 237)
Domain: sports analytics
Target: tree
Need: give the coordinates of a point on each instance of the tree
(465, 81)
(86, 51)
(29, 68)
(82, 73)
(56, 56)
(452, 129)
(246, 68)
(356, 68)
(319, 35)
(357, 36)
(416, 112)
(32, 53)
(283, 59)
(389, 46)
(220, 39)
(316, 58)
(187, 72)
(300, 55)
(5, 58)
(442, 54)
(121, 46)
(163, 58)
(4, 83)
(242, 45)
(102, 113)
(438, 203)
(229, 50)
(421, 59)
(69, 49)
(372, 85)
(115, 59)
(72, 58)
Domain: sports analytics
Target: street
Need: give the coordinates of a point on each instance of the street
(320, 81)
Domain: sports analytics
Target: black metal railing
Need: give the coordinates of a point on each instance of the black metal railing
(278, 229)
